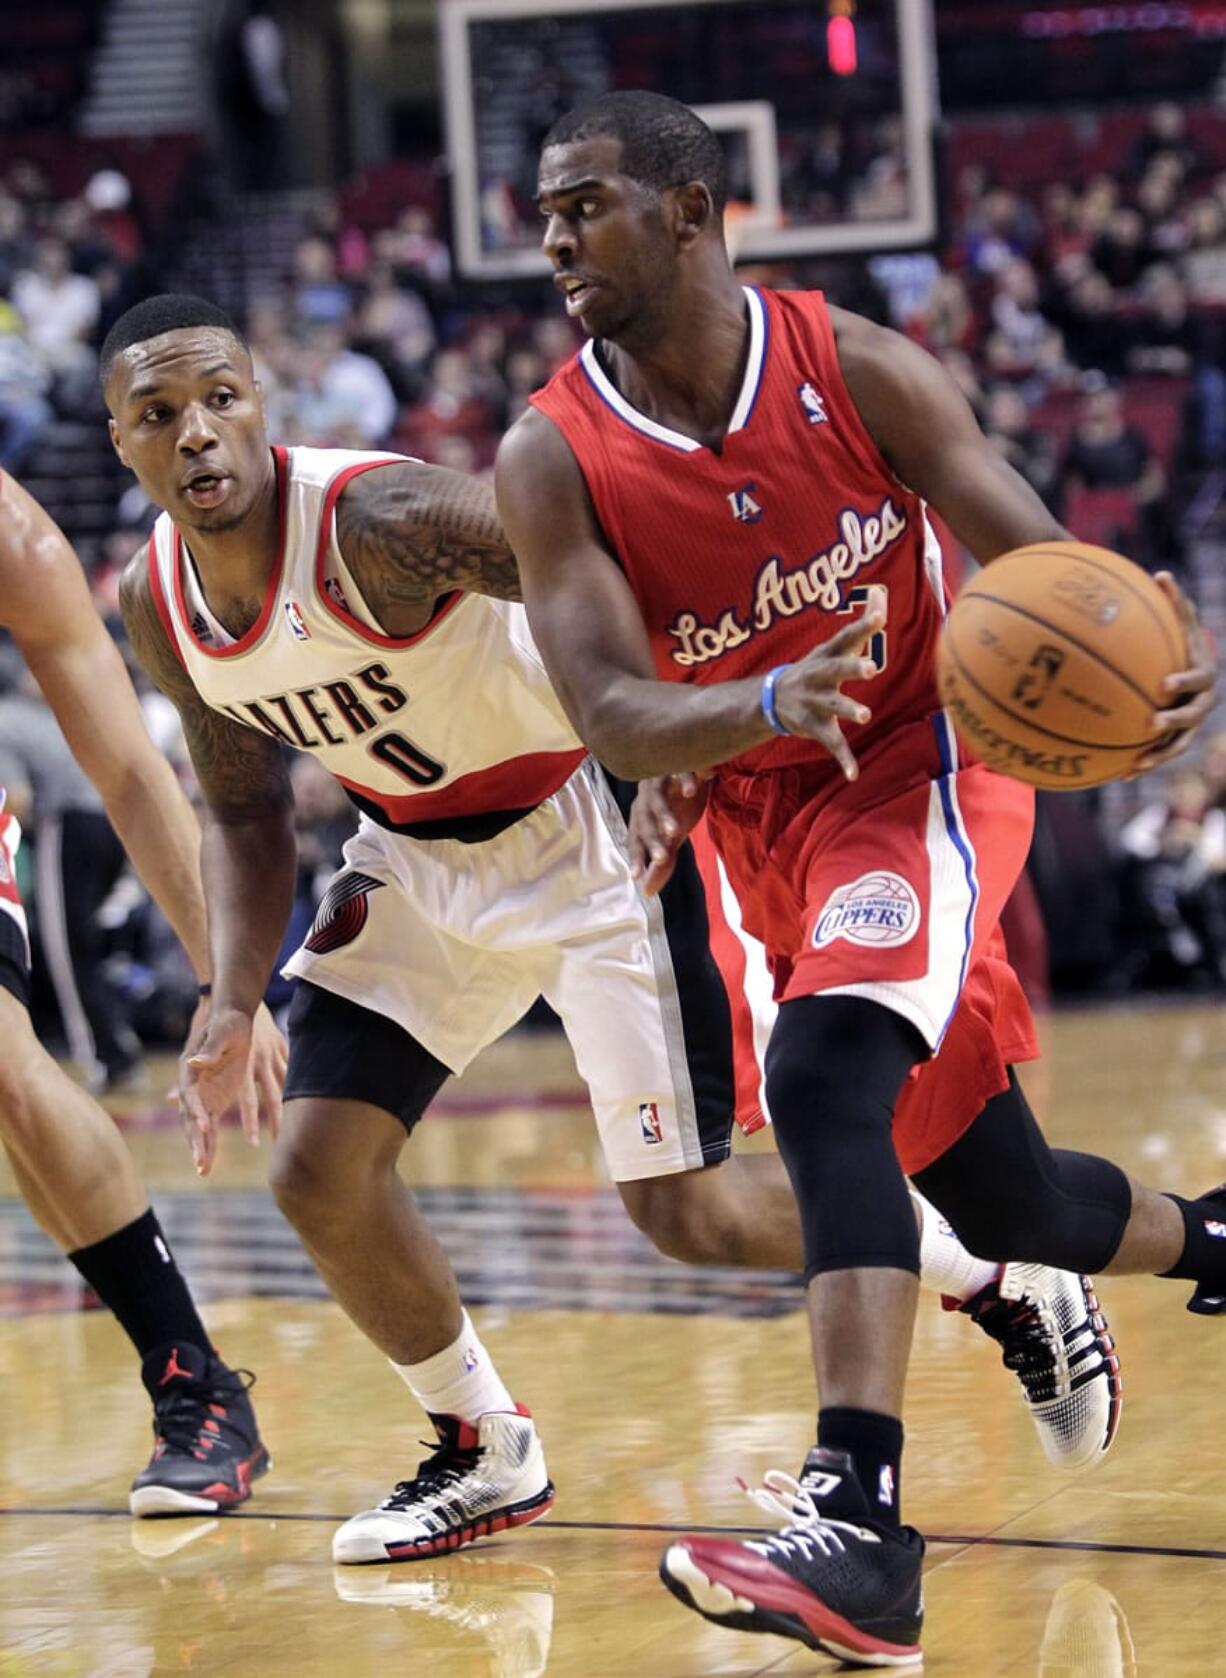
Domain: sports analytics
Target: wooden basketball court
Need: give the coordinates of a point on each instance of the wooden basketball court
(654, 1385)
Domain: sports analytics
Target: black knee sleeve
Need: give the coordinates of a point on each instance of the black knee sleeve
(834, 1070)
(1009, 1196)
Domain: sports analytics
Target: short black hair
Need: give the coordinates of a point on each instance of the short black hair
(167, 312)
(663, 142)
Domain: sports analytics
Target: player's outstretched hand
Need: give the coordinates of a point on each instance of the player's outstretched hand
(665, 812)
(214, 1076)
(1191, 694)
(260, 1106)
(807, 696)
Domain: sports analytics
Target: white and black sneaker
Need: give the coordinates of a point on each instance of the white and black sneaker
(1056, 1341)
(833, 1578)
(480, 1480)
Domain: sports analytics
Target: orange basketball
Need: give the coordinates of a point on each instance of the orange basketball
(1052, 662)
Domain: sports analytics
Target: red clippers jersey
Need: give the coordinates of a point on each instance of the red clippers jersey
(748, 558)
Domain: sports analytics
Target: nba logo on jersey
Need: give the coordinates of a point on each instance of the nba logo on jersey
(811, 402)
(297, 623)
(649, 1119)
(743, 505)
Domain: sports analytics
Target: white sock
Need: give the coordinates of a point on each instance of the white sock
(945, 1264)
(458, 1381)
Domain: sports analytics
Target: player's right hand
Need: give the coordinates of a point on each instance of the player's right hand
(213, 1077)
(807, 696)
(665, 812)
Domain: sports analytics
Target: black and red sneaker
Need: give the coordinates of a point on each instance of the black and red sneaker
(832, 1577)
(1209, 1299)
(207, 1448)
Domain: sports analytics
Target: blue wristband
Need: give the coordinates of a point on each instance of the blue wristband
(768, 699)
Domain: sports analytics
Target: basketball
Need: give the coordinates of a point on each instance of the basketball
(1052, 661)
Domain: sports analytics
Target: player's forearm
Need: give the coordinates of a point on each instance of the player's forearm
(158, 829)
(639, 727)
(249, 866)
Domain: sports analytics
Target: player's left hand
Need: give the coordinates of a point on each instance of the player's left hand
(230, 1064)
(665, 812)
(1191, 694)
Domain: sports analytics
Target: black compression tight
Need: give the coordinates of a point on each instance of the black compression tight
(1010, 1196)
(834, 1070)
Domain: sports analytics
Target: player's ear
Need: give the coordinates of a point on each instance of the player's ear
(693, 211)
(113, 429)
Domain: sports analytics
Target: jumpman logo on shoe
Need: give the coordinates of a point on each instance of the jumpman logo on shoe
(173, 1368)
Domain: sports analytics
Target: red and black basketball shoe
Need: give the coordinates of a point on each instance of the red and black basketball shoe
(832, 1578)
(1209, 1299)
(207, 1448)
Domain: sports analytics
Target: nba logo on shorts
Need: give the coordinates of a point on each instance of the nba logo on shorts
(1213, 1227)
(649, 1119)
(811, 402)
(297, 623)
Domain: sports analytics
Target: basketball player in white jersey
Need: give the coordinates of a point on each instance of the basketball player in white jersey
(74, 1172)
(364, 608)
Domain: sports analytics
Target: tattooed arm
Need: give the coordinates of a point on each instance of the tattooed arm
(410, 533)
(248, 863)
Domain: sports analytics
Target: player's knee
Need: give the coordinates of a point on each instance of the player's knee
(320, 1171)
(23, 1064)
(679, 1218)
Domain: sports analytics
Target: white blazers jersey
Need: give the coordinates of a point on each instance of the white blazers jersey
(435, 733)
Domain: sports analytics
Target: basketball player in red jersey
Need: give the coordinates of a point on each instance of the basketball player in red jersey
(73, 1170)
(361, 607)
(721, 480)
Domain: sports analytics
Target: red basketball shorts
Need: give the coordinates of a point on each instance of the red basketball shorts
(891, 888)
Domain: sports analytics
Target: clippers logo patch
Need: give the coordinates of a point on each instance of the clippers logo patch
(299, 627)
(877, 909)
(341, 914)
(649, 1120)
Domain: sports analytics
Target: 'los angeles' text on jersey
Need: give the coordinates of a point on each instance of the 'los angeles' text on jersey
(747, 556)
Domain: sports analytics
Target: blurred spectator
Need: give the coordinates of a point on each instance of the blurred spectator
(414, 248)
(16, 244)
(60, 310)
(340, 397)
(1023, 341)
(318, 295)
(1085, 313)
(396, 326)
(452, 405)
(1122, 252)
(25, 412)
(78, 861)
(1203, 264)
(1106, 453)
(1007, 424)
(999, 228)
(1166, 135)
(1175, 852)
